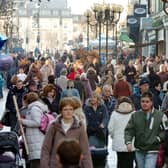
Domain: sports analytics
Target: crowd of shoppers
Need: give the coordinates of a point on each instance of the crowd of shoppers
(124, 101)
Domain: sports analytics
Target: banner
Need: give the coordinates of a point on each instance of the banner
(132, 21)
(140, 10)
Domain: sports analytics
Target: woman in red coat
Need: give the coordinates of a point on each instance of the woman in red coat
(121, 87)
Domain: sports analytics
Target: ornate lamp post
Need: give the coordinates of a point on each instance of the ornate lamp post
(108, 14)
(112, 16)
(165, 2)
(98, 14)
(88, 14)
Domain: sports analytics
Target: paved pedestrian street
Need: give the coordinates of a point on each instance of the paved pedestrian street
(111, 158)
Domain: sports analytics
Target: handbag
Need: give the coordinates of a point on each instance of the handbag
(160, 157)
(45, 121)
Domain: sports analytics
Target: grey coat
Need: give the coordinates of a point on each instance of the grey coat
(32, 122)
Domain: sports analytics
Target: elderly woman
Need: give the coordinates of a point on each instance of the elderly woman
(65, 126)
(96, 118)
(32, 122)
(70, 91)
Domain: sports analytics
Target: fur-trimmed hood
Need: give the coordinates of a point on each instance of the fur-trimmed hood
(89, 104)
(125, 108)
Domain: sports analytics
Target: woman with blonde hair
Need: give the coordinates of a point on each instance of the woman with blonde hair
(78, 110)
(65, 126)
(33, 72)
(70, 91)
(96, 117)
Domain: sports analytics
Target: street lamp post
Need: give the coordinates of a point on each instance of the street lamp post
(112, 17)
(107, 15)
(38, 22)
(98, 14)
(88, 15)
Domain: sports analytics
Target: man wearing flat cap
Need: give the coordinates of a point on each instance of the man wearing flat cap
(143, 87)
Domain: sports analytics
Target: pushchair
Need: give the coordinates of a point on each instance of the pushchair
(9, 150)
(98, 147)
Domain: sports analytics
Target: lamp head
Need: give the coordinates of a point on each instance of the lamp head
(88, 13)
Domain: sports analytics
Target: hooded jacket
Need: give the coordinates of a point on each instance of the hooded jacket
(33, 134)
(117, 124)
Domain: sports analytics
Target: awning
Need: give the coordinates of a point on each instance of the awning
(158, 23)
(125, 37)
(143, 44)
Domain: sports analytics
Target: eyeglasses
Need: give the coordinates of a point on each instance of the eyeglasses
(70, 87)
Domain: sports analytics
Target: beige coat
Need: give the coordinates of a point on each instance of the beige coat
(54, 136)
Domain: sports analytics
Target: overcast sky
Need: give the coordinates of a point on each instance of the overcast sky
(80, 6)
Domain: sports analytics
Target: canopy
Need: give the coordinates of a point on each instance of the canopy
(125, 37)
(111, 42)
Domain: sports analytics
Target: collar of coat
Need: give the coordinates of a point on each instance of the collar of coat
(76, 122)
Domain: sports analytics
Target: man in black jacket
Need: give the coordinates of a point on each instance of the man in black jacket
(18, 91)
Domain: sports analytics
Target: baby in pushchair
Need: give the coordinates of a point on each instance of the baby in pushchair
(9, 150)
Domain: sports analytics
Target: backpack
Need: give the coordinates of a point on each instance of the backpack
(46, 120)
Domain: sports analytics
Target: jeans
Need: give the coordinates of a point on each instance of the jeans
(146, 160)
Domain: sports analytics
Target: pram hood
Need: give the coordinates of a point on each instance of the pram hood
(9, 142)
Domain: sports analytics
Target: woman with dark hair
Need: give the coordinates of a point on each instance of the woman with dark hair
(48, 97)
(32, 121)
(92, 77)
(65, 126)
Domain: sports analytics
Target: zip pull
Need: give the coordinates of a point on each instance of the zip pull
(151, 123)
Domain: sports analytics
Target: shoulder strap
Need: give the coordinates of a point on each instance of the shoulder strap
(55, 131)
